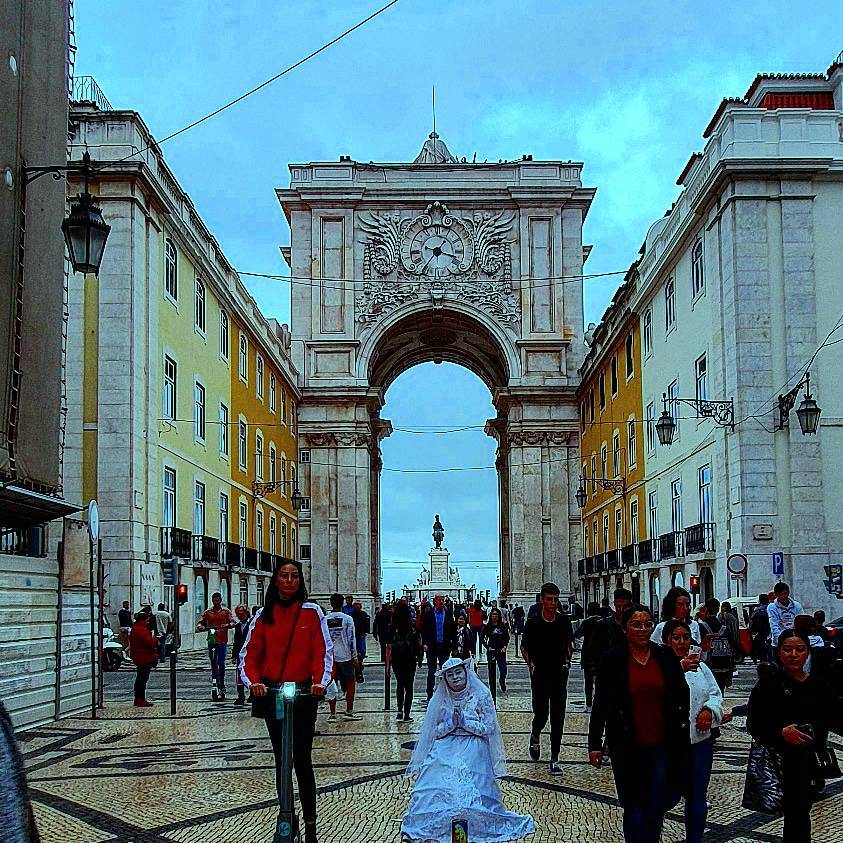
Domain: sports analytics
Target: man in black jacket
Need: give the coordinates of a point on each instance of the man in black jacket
(438, 635)
(380, 628)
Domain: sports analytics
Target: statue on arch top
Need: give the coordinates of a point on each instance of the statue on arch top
(438, 532)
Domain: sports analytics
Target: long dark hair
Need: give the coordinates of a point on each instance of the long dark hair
(669, 602)
(489, 625)
(401, 621)
(273, 597)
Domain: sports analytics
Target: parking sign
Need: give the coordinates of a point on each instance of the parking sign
(778, 564)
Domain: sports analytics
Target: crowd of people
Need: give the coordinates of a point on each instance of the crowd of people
(654, 688)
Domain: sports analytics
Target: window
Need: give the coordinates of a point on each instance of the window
(653, 507)
(651, 427)
(259, 528)
(616, 454)
(631, 444)
(613, 371)
(273, 534)
(292, 475)
(605, 531)
(283, 405)
(243, 447)
(593, 474)
(585, 542)
(305, 548)
(283, 538)
(243, 365)
(223, 517)
(259, 377)
(283, 475)
(223, 335)
(647, 331)
(697, 273)
(594, 535)
(199, 411)
(272, 458)
(630, 359)
(676, 505)
(244, 523)
(292, 417)
(603, 461)
(168, 511)
(673, 405)
(701, 372)
(258, 455)
(223, 430)
(272, 391)
(261, 592)
(244, 591)
(199, 307)
(591, 406)
(669, 305)
(618, 528)
(170, 376)
(601, 385)
(633, 520)
(582, 416)
(171, 271)
(704, 475)
(198, 509)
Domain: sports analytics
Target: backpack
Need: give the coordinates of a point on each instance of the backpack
(720, 653)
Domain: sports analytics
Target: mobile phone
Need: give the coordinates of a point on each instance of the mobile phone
(806, 729)
(695, 650)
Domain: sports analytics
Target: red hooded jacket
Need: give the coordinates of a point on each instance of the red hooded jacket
(311, 654)
(142, 644)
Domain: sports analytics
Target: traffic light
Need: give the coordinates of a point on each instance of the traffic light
(694, 583)
(834, 583)
(181, 593)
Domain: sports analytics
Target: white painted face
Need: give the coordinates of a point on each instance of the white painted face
(456, 678)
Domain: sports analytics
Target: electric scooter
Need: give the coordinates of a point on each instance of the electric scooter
(287, 825)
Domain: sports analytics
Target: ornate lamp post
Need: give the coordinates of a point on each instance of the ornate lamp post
(808, 413)
(722, 413)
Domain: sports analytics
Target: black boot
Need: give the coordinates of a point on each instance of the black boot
(241, 696)
(310, 832)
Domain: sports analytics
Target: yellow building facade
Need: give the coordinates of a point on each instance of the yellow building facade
(611, 485)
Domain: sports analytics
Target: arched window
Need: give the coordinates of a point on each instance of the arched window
(171, 271)
(283, 538)
(200, 596)
(199, 307)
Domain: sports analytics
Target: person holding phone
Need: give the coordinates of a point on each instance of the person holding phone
(792, 711)
(288, 641)
(706, 712)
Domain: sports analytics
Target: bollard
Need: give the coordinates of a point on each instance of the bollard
(285, 831)
(386, 691)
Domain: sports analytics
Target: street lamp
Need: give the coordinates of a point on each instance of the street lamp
(581, 495)
(722, 413)
(296, 498)
(616, 485)
(259, 489)
(85, 231)
(808, 412)
(665, 426)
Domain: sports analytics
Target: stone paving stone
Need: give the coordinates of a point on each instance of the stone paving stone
(208, 774)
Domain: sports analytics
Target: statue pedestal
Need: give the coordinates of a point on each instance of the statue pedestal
(439, 569)
(441, 580)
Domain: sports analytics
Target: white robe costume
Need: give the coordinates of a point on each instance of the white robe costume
(457, 760)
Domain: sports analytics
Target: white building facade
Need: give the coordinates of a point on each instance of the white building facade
(739, 296)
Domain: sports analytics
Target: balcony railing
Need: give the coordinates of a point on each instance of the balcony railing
(206, 549)
(589, 564)
(611, 559)
(647, 551)
(266, 561)
(628, 555)
(233, 555)
(27, 541)
(250, 557)
(86, 90)
(581, 568)
(175, 542)
(671, 545)
(699, 538)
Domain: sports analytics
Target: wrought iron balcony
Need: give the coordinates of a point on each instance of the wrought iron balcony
(250, 557)
(24, 541)
(611, 559)
(671, 545)
(266, 561)
(628, 555)
(175, 542)
(589, 564)
(699, 538)
(206, 549)
(581, 567)
(233, 555)
(647, 551)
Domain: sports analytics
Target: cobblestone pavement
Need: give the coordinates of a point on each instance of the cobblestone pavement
(207, 774)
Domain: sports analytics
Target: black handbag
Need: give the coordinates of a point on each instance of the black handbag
(265, 708)
(825, 763)
(763, 789)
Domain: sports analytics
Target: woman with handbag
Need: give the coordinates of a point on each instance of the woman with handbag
(495, 638)
(288, 641)
(790, 714)
(405, 648)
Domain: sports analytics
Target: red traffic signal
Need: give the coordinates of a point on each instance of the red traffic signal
(694, 582)
(181, 593)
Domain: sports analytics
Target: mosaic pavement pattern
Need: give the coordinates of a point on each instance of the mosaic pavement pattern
(138, 776)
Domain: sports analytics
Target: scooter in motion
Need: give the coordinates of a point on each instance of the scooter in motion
(287, 825)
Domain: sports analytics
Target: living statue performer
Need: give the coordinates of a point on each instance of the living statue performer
(457, 760)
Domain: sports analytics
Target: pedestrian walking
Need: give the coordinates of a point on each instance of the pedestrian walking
(791, 713)
(405, 648)
(216, 621)
(759, 631)
(518, 620)
(495, 639)
(476, 619)
(718, 646)
(288, 641)
(782, 611)
(438, 633)
(462, 639)
(144, 653)
(348, 608)
(676, 606)
(125, 621)
(591, 630)
(241, 630)
(362, 627)
(547, 647)
(163, 624)
(641, 706)
(706, 713)
(340, 626)
(380, 628)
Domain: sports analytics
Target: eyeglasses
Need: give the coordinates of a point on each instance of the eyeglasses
(641, 626)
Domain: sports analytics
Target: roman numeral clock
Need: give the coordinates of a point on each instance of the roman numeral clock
(437, 245)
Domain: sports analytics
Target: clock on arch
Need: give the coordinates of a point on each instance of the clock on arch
(437, 244)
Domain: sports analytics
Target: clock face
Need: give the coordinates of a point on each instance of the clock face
(435, 251)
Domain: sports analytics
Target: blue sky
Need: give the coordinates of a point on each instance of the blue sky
(626, 88)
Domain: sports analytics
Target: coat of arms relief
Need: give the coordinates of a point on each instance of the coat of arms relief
(437, 255)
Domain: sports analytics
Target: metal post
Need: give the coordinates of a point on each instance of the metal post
(386, 683)
(59, 619)
(173, 651)
(286, 815)
(100, 625)
(94, 668)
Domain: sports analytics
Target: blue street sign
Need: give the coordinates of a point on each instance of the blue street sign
(778, 564)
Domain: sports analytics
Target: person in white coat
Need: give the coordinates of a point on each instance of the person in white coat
(706, 713)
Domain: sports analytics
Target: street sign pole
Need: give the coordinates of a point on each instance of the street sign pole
(777, 565)
(173, 651)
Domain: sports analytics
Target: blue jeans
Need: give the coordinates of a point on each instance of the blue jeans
(699, 773)
(497, 663)
(641, 781)
(216, 653)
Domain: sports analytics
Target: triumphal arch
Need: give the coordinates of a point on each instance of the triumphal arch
(439, 259)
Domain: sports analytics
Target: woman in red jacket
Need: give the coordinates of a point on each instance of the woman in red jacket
(288, 641)
(144, 649)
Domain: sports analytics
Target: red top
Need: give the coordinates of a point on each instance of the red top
(142, 644)
(218, 620)
(475, 616)
(646, 689)
(311, 657)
